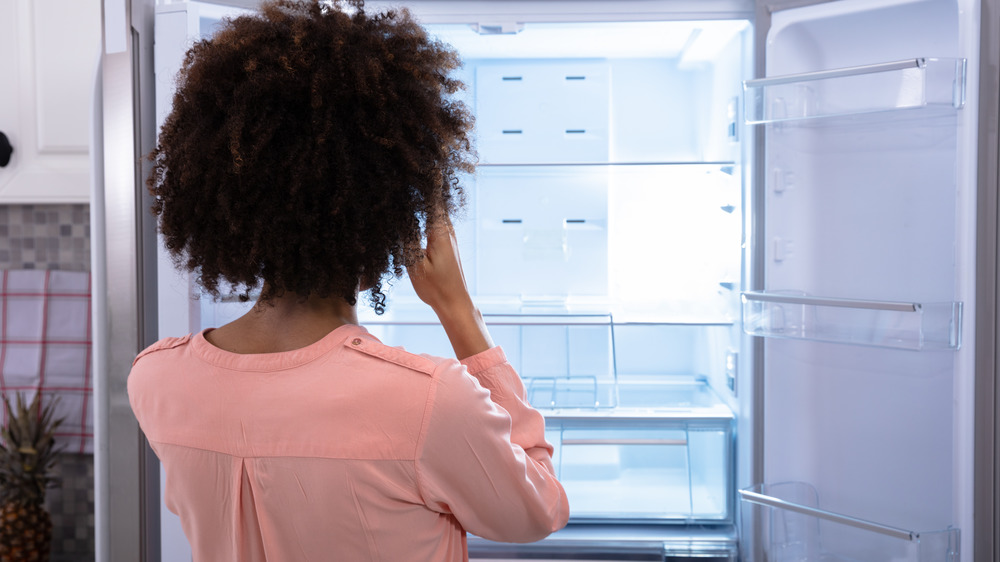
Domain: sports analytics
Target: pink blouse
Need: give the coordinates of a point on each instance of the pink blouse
(346, 449)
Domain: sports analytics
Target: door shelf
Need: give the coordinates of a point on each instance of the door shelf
(907, 84)
(783, 522)
(899, 325)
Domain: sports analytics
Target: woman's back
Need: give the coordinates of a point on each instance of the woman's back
(346, 449)
(309, 151)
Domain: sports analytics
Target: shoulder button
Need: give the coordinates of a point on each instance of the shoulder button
(395, 355)
(165, 343)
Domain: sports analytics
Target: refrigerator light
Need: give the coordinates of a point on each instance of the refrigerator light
(506, 28)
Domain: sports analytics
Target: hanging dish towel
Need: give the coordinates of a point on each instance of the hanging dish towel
(45, 347)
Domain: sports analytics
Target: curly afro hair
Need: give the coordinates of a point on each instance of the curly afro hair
(308, 146)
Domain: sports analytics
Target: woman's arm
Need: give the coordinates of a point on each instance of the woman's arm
(440, 282)
(483, 456)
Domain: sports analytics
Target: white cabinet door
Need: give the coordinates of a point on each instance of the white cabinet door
(47, 72)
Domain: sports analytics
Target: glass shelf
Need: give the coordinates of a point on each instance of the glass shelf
(907, 84)
(783, 522)
(644, 541)
(901, 325)
(578, 364)
(673, 398)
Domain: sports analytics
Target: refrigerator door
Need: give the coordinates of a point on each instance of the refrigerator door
(125, 479)
(863, 292)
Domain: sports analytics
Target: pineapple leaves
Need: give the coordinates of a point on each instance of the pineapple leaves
(27, 451)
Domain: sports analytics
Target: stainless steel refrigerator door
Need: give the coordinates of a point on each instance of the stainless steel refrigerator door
(126, 471)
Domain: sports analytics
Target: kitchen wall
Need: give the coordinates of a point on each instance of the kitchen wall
(45, 237)
(57, 237)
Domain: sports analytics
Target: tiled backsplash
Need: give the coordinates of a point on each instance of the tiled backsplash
(57, 237)
(71, 506)
(45, 237)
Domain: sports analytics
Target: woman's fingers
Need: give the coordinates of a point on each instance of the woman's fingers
(438, 278)
(439, 281)
(440, 237)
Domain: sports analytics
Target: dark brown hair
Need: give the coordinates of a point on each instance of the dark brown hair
(307, 147)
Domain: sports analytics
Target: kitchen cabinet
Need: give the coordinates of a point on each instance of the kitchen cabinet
(47, 74)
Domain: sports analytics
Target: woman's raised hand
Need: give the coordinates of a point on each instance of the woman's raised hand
(439, 281)
(438, 278)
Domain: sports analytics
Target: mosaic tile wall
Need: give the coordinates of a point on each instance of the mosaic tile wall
(71, 507)
(45, 237)
(57, 237)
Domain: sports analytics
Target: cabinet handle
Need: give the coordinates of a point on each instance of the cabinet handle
(5, 150)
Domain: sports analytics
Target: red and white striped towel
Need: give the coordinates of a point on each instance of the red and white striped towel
(45, 346)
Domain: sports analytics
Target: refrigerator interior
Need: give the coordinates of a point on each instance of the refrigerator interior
(602, 240)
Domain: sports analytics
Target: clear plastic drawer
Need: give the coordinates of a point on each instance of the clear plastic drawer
(645, 470)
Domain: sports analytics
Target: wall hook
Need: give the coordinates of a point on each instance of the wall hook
(5, 150)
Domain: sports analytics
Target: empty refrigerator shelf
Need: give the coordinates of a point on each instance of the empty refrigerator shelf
(783, 521)
(501, 310)
(555, 311)
(899, 325)
(571, 398)
(907, 84)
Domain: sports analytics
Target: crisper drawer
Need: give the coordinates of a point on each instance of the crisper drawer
(631, 470)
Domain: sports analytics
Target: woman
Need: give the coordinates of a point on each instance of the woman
(310, 150)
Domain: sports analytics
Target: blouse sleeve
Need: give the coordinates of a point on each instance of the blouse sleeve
(483, 455)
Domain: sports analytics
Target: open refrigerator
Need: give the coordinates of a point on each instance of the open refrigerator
(744, 301)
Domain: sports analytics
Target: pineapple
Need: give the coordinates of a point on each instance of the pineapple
(27, 454)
